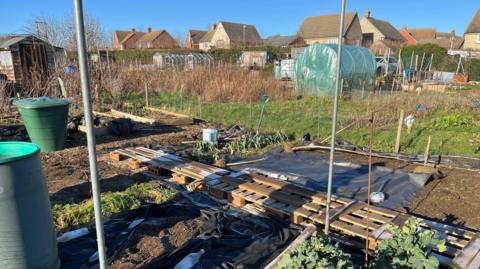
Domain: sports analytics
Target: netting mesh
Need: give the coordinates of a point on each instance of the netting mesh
(315, 69)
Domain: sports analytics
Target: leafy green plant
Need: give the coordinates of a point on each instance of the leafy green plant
(257, 141)
(453, 120)
(204, 147)
(316, 253)
(76, 214)
(408, 248)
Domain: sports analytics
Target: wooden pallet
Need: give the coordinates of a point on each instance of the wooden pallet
(285, 200)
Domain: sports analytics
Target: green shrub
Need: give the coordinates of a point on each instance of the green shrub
(316, 253)
(230, 56)
(439, 55)
(408, 249)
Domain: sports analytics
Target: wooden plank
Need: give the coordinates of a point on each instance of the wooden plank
(121, 114)
(468, 253)
(373, 216)
(446, 228)
(360, 222)
(283, 185)
(348, 229)
(167, 112)
(272, 193)
(475, 263)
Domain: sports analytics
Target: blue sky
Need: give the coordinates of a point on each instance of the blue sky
(270, 16)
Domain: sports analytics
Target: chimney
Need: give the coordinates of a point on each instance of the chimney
(133, 30)
(367, 14)
(212, 27)
(149, 29)
(453, 33)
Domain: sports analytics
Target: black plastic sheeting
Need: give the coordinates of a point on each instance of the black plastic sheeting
(310, 169)
(229, 240)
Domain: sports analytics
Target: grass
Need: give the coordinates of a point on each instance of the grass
(449, 118)
(76, 214)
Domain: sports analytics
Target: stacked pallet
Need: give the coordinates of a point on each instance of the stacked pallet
(286, 200)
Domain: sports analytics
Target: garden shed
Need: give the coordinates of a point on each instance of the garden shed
(23, 55)
(315, 69)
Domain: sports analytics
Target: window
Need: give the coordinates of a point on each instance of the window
(478, 38)
(220, 44)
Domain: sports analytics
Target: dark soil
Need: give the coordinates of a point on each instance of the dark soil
(157, 237)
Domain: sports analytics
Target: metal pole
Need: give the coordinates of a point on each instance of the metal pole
(338, 85)
(92, 154)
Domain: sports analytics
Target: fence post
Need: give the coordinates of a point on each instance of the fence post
(399, 131)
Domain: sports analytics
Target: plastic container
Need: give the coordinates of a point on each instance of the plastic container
(27, 235)
(210, 135)
(377, 197)
(46, 121)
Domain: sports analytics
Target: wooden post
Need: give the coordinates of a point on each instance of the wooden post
(399, 131)
(147, 103)
(427, 150)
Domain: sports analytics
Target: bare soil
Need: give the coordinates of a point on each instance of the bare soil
(156, 237)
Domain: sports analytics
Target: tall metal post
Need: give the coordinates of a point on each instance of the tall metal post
(338, 84)
(92, 154)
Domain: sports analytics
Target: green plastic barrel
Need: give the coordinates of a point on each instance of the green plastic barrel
(46, 121)
(27, 235)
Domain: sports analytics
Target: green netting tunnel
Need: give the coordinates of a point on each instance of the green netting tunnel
(315, 69)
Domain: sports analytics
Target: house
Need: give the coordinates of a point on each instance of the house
(324, 29)
(22, 56)
(284, 41)
(430, 35)
(472, 34)
(230, 35)
(123, 40)
(192, 41)
(379, 33)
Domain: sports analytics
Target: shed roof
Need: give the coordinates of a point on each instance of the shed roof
(278, 40)
(325, 26)
(474, 26)
(235, 32)
(385, 28)
(196, 35)
(7, 41)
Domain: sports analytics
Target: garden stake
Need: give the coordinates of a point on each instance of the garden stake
(92, 152)
(425, 156)
(369, 186)
(146, 95)
(399, 131)
(338, 84)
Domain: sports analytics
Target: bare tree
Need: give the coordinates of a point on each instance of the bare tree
(46, 27)
(61, 31)
(180, 39)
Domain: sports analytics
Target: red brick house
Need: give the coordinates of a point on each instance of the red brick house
(430, 35)
(192, 40)
(143, 40)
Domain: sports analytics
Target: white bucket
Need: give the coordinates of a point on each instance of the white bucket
(210, 135)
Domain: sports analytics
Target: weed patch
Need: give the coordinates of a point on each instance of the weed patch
(72, 215)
